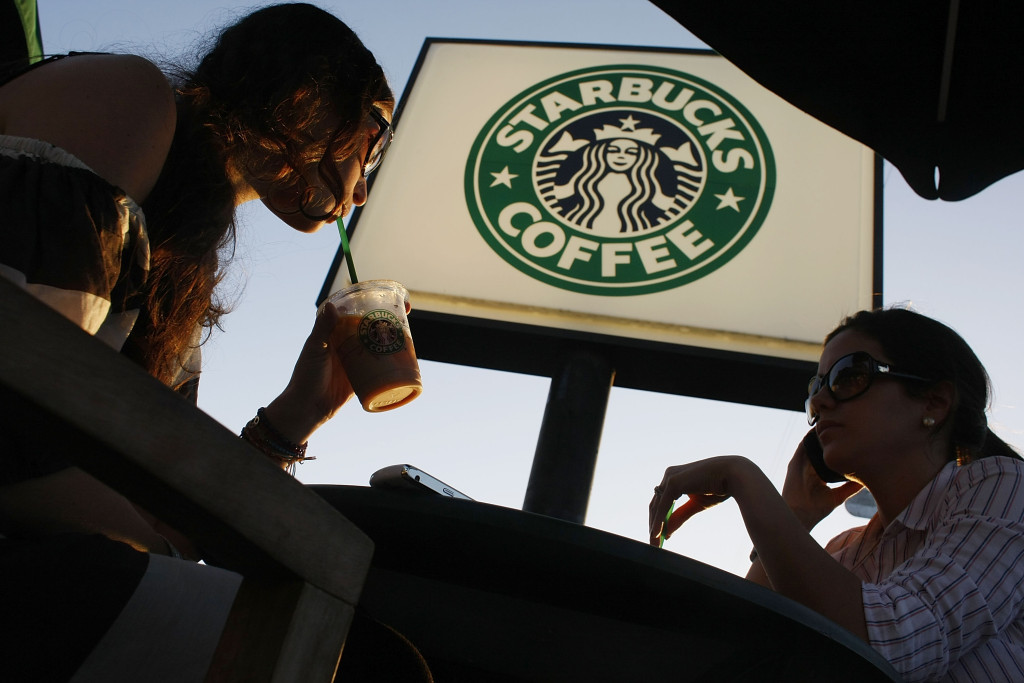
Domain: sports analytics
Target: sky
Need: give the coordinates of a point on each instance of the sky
(477, 429)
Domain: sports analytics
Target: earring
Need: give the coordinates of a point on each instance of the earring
(928, 421)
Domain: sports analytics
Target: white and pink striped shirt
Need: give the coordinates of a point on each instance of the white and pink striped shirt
(944, 582)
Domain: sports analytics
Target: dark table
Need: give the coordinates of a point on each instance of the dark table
(496, 595)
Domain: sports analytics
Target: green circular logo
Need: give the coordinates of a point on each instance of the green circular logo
(620, 180)
(381, 332)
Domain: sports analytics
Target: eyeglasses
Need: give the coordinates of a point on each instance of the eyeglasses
(320, 202)
(379, 144)
(848, 378)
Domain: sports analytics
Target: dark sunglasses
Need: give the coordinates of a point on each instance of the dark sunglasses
(379, 144)
(848, 378)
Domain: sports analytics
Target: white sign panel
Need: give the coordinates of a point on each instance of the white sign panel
(646, 194)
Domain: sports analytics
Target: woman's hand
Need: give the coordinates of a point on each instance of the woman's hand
(318, 387)
(706, 483)
(807, 495)
(791, 561)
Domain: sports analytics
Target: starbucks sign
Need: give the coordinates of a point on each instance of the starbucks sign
(654, 195)
(620, 180)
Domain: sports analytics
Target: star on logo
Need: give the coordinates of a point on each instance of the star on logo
(729, 199)
(504, 178)
(629, 123)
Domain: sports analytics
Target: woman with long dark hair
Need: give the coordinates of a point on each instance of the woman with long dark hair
(120, 184)
(934, 580)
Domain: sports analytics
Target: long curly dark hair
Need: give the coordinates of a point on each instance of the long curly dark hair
(268, 78)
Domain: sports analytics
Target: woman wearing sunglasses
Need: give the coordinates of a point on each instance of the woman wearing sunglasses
(934, 581)
(120, 185)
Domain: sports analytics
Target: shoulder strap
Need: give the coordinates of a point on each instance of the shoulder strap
(11, 70)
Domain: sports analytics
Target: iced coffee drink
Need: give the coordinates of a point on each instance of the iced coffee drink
(375, 345)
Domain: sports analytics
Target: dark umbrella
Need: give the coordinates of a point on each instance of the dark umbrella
(933, 86)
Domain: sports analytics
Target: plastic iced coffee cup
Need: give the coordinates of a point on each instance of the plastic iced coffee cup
(374, 344)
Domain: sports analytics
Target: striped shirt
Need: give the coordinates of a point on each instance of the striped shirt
(943, 583)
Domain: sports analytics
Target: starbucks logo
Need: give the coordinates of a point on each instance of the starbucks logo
(381, 332)
(620, 180)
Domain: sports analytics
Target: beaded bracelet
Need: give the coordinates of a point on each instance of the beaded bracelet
(259, 433)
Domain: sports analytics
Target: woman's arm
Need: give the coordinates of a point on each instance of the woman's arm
(792, 561)
(114, 112)
(960, 594)
(810, 499)
(71, 501)
(318, 387)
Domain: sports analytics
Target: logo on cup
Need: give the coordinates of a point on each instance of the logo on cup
(620, 180)
(381, 332)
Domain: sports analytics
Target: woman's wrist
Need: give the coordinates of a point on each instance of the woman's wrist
(261, 433)
(291, 421)
(747, 482)
(759, 501)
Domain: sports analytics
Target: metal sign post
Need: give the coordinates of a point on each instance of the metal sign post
(570, 435)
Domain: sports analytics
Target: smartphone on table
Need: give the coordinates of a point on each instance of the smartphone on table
(409, 478)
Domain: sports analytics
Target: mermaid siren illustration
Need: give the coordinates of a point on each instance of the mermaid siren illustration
(617, 180)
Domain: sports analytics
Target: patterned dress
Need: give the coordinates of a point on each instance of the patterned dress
(75, 242)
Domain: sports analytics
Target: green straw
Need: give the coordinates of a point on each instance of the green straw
(664, 527)
(348, 253)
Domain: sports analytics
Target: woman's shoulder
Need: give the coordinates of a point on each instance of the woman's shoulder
(992, 466)
(991, 486)
(845, 546)
(115, 113)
